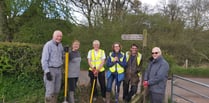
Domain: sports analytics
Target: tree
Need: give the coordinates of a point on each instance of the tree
(1, 16)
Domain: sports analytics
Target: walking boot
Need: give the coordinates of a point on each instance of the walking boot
(48, 99)
(107, 97)
(54, 98)
(71, 97)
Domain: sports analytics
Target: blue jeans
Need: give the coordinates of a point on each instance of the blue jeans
(110, 80)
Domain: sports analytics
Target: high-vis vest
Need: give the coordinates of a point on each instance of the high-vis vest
(117, 66)
(96, 60)
(139, 57)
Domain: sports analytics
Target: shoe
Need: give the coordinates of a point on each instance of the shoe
(103, 99)
(94, 99)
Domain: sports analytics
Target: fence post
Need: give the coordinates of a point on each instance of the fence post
(172, 88)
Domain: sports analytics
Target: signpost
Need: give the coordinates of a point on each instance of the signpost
(132, 36)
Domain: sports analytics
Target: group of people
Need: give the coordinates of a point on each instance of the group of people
(121, 68)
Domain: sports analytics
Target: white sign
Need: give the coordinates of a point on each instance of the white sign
(132, 36)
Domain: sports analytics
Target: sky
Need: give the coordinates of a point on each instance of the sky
(150, 2)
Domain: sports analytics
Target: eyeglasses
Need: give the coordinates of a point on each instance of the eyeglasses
(154, 52)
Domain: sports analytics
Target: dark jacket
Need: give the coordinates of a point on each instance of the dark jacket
(132, 70)
(156, 74)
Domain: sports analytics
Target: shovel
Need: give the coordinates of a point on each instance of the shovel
(66, 74)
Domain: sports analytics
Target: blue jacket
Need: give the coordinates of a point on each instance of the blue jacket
(122, 63)
(156, 74)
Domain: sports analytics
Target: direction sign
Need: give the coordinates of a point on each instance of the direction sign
(132, 36)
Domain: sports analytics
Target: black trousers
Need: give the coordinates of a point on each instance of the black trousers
(101, 78)
(126, 93)
(72, 82)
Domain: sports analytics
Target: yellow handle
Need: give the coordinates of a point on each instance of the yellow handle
(66, 72)
(92, 91)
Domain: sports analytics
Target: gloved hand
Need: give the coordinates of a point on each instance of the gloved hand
(48, 76)
(145, 83)
(95, 72)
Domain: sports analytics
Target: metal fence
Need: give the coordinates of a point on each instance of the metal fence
(186, 90)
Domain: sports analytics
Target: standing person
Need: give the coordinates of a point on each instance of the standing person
(96, 58)
(73, 70)
(116, 63)
(132, 72)
(52, 61)
(156, 75)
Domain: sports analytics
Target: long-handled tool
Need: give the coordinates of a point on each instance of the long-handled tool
(92, 90)
(66, 74)
(116, 82)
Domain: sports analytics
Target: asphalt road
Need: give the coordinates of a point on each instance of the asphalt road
(84, 81)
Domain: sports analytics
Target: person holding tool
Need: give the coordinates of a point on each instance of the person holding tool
(73, 70)
(132, 72)
(116, 63)
(52, 61)
(96, 58)
(155, 77)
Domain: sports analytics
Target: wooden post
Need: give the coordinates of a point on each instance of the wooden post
(186, 63)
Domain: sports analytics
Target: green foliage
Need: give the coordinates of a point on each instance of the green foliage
(192, 72)
(21, 89)
(19, 58)
(40, 30)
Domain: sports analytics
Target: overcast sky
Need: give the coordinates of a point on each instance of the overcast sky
(150, 2)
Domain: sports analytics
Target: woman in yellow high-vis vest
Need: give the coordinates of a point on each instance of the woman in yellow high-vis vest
(96, 58)
(116, 63)
(132, 73)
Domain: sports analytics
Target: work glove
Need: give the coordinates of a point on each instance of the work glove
(48, 76)
(145, 83)
(95, 72)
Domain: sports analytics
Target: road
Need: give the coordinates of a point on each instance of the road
(84, 81)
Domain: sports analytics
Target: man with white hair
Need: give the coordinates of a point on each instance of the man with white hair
(52, 61)
(96, 58)
(155, 76)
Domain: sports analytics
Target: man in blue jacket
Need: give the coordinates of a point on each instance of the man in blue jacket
(155, 76)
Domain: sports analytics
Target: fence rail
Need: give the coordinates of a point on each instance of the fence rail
(189, 90)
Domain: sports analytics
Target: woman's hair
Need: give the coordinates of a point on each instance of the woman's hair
(75, 41)
(115, 44)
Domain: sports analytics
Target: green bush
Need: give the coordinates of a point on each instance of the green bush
(19, 58)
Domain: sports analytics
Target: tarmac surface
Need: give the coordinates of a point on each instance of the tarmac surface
(84, 81)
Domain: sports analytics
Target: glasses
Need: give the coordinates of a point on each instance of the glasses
(154, 52)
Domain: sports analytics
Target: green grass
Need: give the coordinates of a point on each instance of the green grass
(21, 89)
(192, 72)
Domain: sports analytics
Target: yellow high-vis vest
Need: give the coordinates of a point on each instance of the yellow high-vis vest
(139, 57)
(96, 60)
(119, 68)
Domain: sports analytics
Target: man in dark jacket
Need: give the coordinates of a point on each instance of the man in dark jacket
(155, 76)
(132, 72)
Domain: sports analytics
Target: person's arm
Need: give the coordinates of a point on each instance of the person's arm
(103, 61)
(45, 58)
(161, 74)
(110, 62)
(139, 67)
(89, 59)
(123, 62)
